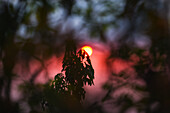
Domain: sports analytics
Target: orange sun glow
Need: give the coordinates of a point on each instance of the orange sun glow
(88, 49)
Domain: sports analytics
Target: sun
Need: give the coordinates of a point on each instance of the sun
(88, 49)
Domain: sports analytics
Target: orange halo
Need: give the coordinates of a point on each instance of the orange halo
(88, 49)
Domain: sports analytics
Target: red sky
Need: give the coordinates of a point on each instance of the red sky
(98, 58)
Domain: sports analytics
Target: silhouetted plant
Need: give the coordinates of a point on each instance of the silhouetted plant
(68, 89)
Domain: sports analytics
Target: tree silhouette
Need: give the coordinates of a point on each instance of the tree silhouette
(69, 90)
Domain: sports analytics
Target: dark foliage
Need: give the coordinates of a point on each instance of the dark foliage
(78, 72)
(66, 92)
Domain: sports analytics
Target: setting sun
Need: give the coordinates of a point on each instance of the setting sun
(88, 49)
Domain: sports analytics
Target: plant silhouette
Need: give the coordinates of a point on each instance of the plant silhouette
(68, 90)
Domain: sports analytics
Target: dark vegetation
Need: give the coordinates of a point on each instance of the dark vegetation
(28, 33)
